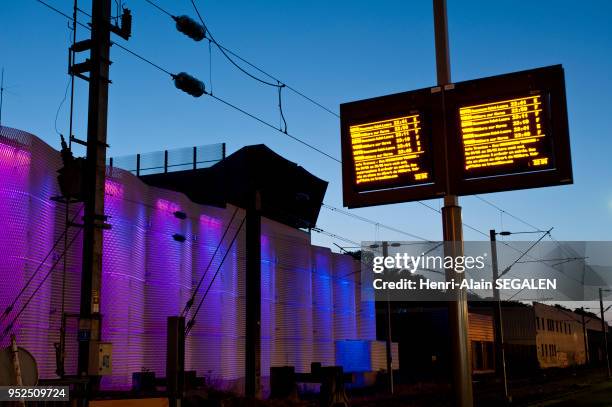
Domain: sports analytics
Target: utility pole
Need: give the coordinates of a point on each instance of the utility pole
(385, 253)
(584, 335)
(252, 362)
(500, 354)
(604, 329)
(93, 177)
(453, 237)
(94, 174)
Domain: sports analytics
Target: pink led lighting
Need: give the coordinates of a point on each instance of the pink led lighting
(113, 188)
(167, 206)
(13, 156)
(209, 221)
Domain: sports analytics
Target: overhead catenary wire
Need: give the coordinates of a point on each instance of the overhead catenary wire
(272, 126)
(506, 212)
(60, 12)
(9, 308)
(59, 108)
(227, 51)
(382, 225)
(8, 328)
(159, 8)
(72, 55)
(189, 303)
(191, 321)
(219, 99)
(248, 114)
(524, 222)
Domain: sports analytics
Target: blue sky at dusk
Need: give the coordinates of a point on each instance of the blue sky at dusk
(334, 52)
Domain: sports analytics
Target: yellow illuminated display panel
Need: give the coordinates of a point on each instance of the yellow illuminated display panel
(390, 153)
(505, 137)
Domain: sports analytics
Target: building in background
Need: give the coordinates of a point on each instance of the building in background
(519, 327)
(482, 342)
(559, 337)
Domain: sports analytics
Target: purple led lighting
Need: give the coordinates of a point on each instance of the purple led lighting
(113, 188)
(167, 206)
(211, 222)
(148, 276)
(14, 156)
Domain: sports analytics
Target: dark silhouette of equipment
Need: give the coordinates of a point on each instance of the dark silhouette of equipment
(189, 84)
(283, 383)
(288, 193)
(190, 27)
(175, 358)
(70, 178)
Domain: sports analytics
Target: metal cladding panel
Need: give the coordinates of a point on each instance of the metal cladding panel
(310, 299)
(293, 295)
(123, 283)
(15, 267)
(268, 300)
(366, 310)
(322, 307)
(346, 276)
(27, 236)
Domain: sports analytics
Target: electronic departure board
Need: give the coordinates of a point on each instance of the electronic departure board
(508, 135)
(492, 134)
(508, 132)
(389, 149)
(390, 152)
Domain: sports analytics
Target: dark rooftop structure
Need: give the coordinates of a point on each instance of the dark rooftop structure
(288, 193)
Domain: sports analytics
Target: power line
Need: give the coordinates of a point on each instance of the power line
(506, 212)
(61, 12)
(294, 90)
(148, 61)
(159, 8)
(35, 272)
(211, 38)
(229, 104)
(226, 51)
(59, 108)
(536, 229)
(333, 235)
(225, 102)
(25, 305)
(260, 120)
(192, 319)
(507, 269)
(363, 219)
(192, 299)
(268, 124)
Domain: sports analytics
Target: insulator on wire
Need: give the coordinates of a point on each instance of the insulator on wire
(189, 84)
(190, 27)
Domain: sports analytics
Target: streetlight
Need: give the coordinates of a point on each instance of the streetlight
(497, 317)
(497, 311)
(507, 233)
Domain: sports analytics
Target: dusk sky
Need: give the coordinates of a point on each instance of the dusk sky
(334, 52)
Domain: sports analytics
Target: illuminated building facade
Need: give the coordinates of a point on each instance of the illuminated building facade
(310, 296)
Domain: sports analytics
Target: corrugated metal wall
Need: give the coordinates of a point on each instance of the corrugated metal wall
(310, 296)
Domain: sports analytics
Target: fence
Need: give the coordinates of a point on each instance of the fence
(180, 159)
